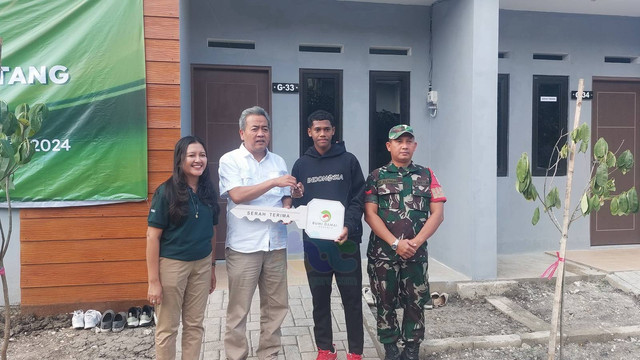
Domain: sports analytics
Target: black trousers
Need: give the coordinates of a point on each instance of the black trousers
(325, 259)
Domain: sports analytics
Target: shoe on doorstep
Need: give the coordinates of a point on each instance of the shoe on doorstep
(133, 316)
(351, 356)
(146, 317)
(77, 321)
(411, 351)
(119, 322)
(327, 354)
(391, 352)
(92, 319)
(107, 321)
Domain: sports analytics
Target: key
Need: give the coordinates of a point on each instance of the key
(320, 219)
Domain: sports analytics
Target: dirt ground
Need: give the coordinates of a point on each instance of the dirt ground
(586, 303)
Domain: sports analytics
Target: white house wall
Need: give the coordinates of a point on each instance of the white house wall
(463, 136)
(587, 39)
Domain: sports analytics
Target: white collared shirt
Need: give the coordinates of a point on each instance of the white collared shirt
(239, 168)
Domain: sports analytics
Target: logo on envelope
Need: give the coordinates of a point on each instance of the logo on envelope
(325, 216)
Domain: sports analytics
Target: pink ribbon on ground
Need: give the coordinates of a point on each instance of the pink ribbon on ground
(552, 268)
(2, 271)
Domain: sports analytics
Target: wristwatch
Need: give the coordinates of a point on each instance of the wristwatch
(394, 246)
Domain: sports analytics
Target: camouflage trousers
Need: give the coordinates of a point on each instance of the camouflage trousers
(399, 284)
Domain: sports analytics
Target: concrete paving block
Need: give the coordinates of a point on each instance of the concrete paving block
(297, 301)
(370, 352)
(309, 355)
(292, 330)
(288, 340)
(303, 322)
(298, 312)
(473, 290)
(339, 336)
(518, 313)
(305, 343)
(441, 345)
(216, 313)
(294, 292)
(212, 333)
(623, 332)
(213, 345)
(212, 355)
(496, 341)
(291, 352)
(628, 281)
(535, 338)
(593, 334)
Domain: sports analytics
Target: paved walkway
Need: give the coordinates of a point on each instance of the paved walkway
(297, 329)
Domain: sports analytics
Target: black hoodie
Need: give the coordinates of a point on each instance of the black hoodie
(336, 175)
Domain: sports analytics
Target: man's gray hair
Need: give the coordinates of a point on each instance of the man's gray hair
(255, 110)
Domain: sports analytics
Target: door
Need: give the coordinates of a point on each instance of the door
(219, 94)
(388, 107)
(616, 117)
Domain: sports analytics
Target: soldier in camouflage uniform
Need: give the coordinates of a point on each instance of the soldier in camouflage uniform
(404, 205)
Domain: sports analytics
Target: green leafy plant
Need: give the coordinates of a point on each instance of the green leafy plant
(16, 130)
(600, 189)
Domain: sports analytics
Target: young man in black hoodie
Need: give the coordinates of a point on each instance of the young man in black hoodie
(328, 171)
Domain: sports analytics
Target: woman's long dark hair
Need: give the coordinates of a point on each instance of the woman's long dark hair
(176, 187)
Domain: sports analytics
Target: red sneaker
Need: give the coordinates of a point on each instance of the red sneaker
(327, 354)
(351, 356)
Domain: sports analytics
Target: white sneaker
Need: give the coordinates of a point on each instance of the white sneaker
(77, 321)
(92, 319)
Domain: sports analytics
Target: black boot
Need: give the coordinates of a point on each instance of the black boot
(391, 352)
(411, 351)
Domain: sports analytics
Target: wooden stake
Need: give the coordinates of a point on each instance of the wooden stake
(556, 316)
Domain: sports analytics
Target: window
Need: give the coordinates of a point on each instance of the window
(388, 107)
(319, 90)
(550, 102)
(503, 124)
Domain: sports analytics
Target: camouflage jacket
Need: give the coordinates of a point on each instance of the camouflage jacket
(403, 196)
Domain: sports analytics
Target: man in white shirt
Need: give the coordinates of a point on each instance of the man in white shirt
(255, 251)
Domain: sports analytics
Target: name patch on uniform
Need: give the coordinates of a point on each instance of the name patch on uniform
(388, 182)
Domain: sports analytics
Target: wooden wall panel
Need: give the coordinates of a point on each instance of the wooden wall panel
(77, 295)
(161, 139)
(161, 28)
(162, 50)
(161, 160)
(163, 117)
(133, 209)
(95, 255)
(121, 227)
(163, 95)
(155, 179)
(164, 8)
(163, 73)
(73, 251)
(110, 272)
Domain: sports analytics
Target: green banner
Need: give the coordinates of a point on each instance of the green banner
(85, 60)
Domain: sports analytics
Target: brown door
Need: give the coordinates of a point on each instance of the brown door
(616, 117)
(220, 93)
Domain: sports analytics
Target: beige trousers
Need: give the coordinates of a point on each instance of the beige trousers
(268, 271)
(185, 290)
